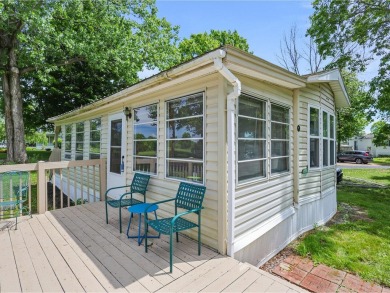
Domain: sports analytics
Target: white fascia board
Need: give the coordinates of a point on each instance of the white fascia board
(163, 77)
(335, 80)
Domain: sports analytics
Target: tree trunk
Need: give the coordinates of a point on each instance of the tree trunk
(16, 148)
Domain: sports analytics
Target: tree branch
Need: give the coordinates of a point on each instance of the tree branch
(58, 64)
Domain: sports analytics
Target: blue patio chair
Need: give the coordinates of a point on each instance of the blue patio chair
(138, 185)
(13, 195)
(189, 197)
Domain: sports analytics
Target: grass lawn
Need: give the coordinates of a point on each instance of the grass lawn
(385, 161)
(360, 243)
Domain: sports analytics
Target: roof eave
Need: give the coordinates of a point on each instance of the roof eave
(334, 79)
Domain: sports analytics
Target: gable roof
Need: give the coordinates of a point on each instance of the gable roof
(235, 60)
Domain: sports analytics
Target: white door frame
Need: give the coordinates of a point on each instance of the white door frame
(114, 178)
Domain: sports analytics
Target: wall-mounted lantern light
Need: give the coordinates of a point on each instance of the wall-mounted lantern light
(127, 112)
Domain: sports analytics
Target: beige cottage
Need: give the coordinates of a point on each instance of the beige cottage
(260, 138)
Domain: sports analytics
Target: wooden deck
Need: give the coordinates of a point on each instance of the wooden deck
(73, 250)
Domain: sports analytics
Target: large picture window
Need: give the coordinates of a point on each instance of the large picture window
(79, 140)
(325, 139)
(332, 144)
(145, 139)
(68, 142)
(94, 138)
(314, 137)
(252, 151)
(184, 138)
(280, 139)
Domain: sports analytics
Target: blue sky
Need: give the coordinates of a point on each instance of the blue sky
(262, 23)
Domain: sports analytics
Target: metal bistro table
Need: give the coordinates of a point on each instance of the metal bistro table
(140, 209)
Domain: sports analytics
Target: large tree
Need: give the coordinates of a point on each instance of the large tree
(201, 43)
(300, 54)
(36, 37)
(357, 33)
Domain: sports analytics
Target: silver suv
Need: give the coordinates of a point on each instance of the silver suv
(355, 156)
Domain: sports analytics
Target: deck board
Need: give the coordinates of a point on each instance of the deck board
(74, 250)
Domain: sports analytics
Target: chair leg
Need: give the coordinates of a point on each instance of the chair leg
(16, 224)
(170, 252)
(146, 233)
(199, 235)
(128, 227)
(177, 236)
(106, 214)
(120, 219)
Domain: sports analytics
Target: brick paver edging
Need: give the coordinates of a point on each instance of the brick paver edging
(321, 278)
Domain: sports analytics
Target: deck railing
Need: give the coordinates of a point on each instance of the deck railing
(81, 181)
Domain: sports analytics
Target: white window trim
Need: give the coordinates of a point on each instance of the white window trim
(165, 120)
(267, 139)
(321, 138)
(314, 136)
(157, 139)
(93, 141)
(76, 141)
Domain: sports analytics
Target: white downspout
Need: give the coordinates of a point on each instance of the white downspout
(231, 102)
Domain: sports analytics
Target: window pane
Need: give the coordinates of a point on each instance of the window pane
(94, 147)
(115, 160)
(79, 156)
(80, 136)
(95, 136)
(145, 114)
(251, 149)
(68, 137)
(185, 107)
(251, 128)
(189, 171)
(251, 170)
(251, 107)
(325, 124)
(145, 148)
(80, 127)
(279, 148)
(314, 152)
(68, 129)
(185, 149)
(331, 126)
(279, 165)
(280, 131)
(314, 122)
(325, 160)
(116, 132)
(185, 128)
(79, 146)
(145, 131)
(95, 124)
(279, 114)
(94, 156)
(145, 165)
(332, 153)
(68, 146)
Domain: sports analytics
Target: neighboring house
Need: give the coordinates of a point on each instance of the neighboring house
(50, 142)
(364, 143)
(260, 138)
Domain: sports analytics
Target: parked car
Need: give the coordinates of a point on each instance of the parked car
(339, 173)
(355, 156)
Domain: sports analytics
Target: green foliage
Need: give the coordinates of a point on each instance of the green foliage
(351, 121)
(3, 136)
(37, 137)
(381, 132)
(356, 32)
(360, 243)
(103, 44)
(199, 44)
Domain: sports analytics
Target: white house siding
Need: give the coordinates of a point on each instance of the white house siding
(258, 202)
(267, 208)
(161, 188)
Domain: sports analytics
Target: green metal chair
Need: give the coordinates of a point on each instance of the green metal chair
(138, 185)
(13, 195)
(189, 197)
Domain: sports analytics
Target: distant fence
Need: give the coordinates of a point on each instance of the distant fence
(80, 181)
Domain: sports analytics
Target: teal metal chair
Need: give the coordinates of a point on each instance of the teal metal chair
(138, 185)
(13, 195)
(189, 197)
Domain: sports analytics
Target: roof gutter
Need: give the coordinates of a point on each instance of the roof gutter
(231, 154)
